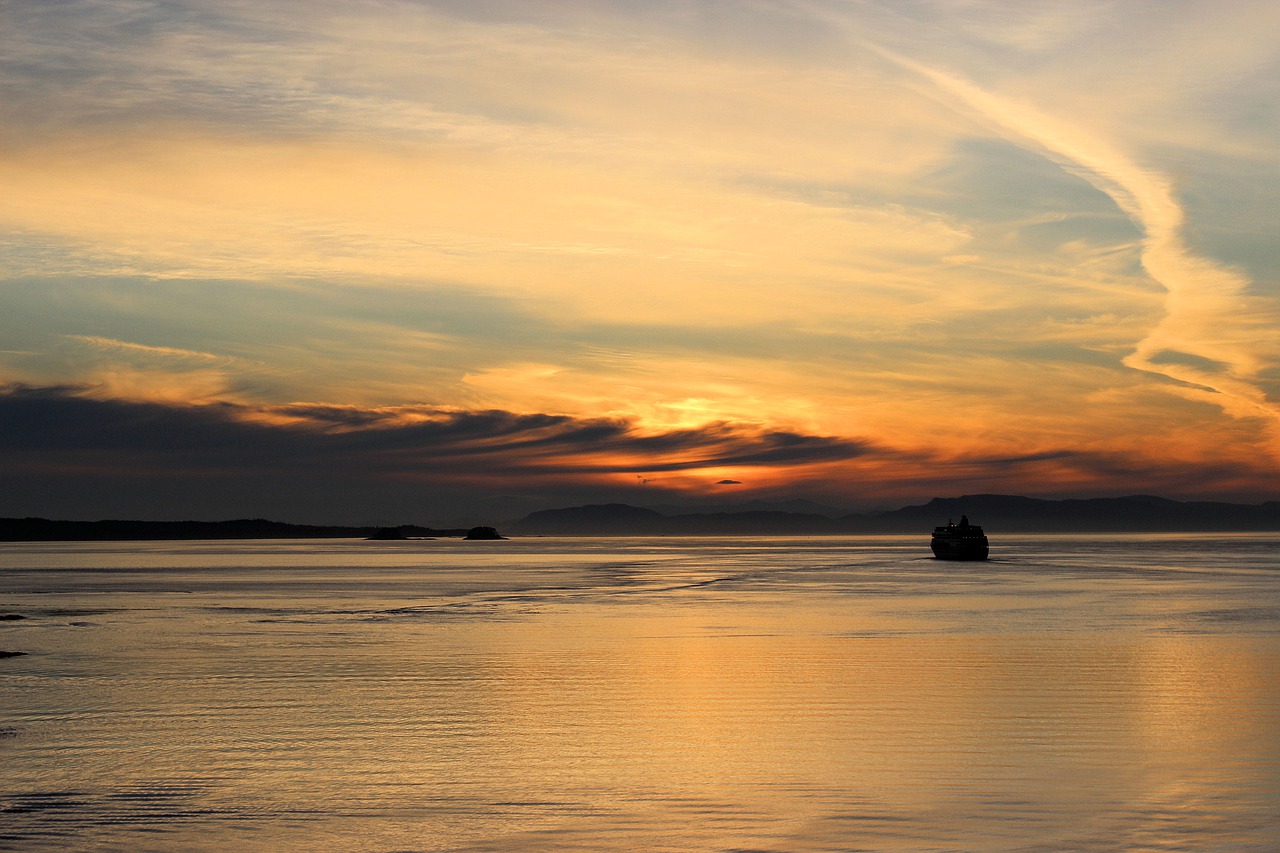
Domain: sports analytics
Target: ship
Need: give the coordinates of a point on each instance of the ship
(963, 541)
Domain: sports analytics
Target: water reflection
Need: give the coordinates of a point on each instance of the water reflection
(711, 696)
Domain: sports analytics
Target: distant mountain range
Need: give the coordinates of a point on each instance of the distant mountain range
(997, 513)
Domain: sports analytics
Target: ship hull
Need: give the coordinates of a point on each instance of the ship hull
(960, 549)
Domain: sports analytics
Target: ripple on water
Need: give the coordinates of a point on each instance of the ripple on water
(745, 695)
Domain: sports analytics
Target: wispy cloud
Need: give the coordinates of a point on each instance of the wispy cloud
(1209, 316)
(148, 351)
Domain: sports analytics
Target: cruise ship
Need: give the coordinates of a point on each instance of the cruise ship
(963, 541)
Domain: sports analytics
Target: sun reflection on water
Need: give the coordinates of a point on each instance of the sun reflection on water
(638, 696)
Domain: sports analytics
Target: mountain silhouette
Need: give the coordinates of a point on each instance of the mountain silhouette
(997, 513)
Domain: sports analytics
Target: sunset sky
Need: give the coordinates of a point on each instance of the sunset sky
(421, 261)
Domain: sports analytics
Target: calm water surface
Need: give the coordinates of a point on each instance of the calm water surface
(1086, 693)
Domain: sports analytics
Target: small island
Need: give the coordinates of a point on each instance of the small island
(483, 533)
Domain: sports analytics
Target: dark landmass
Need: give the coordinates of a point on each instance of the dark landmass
(45, 530)
(593, 520)
(4, 654)
(387, 534)
(997, 513)
(1132, 514)
(625, 520)
(484, 533)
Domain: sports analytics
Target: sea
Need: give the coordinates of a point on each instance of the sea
(1073, 693)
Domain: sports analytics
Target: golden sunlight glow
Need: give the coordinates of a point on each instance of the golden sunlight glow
(942, 234)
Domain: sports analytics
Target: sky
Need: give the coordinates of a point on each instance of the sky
(411, 261)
